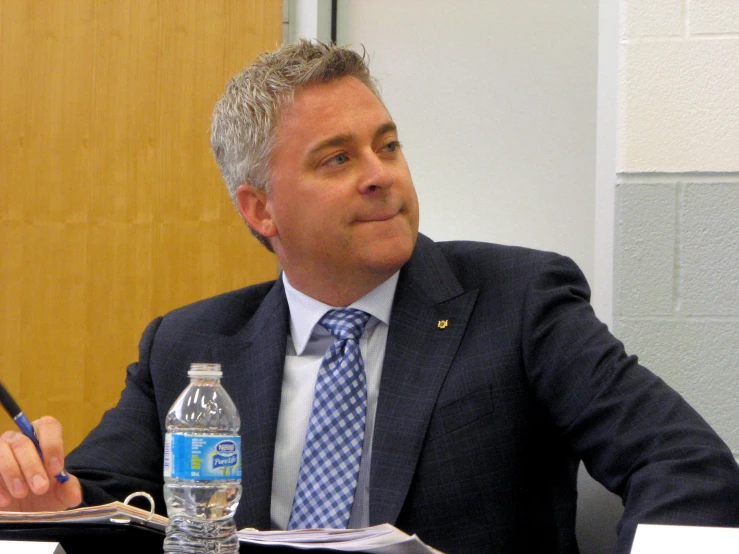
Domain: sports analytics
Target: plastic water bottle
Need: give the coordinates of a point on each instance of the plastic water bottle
(202, 466)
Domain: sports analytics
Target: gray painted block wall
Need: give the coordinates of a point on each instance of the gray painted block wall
(677, 287)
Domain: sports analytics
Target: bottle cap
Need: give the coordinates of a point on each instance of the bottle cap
(204, 370)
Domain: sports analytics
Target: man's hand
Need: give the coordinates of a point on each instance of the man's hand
(27, 483)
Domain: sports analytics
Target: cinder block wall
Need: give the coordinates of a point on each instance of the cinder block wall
(677, 220)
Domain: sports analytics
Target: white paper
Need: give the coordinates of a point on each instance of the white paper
(679, 539)
(380, 539)
(30, 547)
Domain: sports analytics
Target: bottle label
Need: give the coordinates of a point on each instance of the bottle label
(201, 457)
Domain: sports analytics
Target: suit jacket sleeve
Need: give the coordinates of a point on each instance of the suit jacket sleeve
(636, 435)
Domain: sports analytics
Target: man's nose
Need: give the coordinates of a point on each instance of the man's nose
(376, 174)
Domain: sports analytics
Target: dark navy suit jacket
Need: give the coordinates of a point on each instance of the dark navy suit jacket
(497, 380)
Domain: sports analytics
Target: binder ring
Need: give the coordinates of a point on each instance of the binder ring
(123, 519)
(144, 495)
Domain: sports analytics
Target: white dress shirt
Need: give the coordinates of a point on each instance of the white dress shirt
(306, 346)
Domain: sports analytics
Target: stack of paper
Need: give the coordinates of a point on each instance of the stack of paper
(380, 539)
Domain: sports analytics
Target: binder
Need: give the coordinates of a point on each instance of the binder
(94, 527)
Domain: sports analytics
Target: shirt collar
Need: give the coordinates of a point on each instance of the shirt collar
(305, 312)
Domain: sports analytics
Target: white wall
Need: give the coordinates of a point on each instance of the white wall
(496, 106)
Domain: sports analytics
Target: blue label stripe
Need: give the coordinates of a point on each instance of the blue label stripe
(206, 457)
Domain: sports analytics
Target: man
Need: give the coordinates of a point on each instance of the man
(484, 375)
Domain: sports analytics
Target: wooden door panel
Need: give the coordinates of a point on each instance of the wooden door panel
(112, 211)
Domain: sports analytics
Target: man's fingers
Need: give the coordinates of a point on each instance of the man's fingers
(6, 455)
(10, 471)
(4, 498)
(20, 466)
(49, 434)
(69, 493)
(26, 480)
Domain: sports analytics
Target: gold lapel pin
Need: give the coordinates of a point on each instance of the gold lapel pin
(443, 323)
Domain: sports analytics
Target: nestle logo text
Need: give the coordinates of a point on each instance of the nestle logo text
(226, 446)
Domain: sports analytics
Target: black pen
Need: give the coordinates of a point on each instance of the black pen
(24, 425)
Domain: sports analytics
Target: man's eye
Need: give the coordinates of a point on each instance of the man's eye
(338, 159)
(392, 146)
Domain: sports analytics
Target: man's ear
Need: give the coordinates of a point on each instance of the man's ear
(254, 208)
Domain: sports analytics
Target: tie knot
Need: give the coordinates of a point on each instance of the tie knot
(345, 323)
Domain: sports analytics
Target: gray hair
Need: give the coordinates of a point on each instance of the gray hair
(246, 116)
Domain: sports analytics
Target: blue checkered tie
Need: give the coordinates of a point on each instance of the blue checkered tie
(333, 443)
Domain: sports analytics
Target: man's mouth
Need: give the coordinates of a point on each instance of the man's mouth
(379, 216)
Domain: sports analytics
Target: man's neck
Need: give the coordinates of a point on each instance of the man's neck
(337, 292)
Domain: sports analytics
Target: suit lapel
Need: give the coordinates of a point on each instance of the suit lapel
(429, 317)
(253, 360)
(253, 363)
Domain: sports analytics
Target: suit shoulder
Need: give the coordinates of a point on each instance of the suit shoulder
(470, 258)
(508, 270)
(223, 313)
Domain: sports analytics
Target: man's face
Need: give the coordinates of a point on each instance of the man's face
(341, 199)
